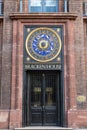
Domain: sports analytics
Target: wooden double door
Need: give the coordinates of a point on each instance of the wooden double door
(42, 98)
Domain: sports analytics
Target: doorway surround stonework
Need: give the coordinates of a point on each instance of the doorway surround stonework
(67, 21)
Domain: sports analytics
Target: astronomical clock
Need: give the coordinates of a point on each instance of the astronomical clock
(43, 44)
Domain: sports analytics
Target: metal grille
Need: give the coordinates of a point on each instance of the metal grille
(36, 80)
(50, 80)
(43, 88)
(42, 106)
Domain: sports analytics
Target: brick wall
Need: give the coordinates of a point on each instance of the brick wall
(85, 46)
(9, 6)
(75, 116)
(77, 7)
(5, 69)
(61, 6)
(1, 26)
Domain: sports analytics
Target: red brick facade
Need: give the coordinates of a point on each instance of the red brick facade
(11, 60)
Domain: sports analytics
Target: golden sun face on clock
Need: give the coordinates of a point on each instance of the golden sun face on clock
(43, 44)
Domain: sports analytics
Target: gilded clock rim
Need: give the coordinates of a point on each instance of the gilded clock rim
(45, 28)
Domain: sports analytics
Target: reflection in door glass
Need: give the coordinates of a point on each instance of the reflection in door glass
(50, 98)
(35, 90)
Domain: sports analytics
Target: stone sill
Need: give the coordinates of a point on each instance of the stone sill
(70, 16)
(43, 128)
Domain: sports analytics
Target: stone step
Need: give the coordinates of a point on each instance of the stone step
(43, 128)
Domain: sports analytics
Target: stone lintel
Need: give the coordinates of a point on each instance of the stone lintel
(71, 16)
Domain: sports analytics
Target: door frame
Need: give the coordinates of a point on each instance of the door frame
(62, 91)
(67, 21)
(60, 117)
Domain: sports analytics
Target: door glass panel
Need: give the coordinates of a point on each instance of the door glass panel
(50, 93)
(35, 6)
(36, 90)
(43, 98)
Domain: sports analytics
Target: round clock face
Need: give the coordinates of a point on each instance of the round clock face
(43, 44)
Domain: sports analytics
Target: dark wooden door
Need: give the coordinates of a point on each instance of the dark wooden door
(43, 98)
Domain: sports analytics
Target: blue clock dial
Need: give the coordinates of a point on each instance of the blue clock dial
(43, 44)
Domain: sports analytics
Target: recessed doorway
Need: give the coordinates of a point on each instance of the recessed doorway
(42, 98)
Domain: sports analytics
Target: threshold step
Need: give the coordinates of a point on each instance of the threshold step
(43, 128)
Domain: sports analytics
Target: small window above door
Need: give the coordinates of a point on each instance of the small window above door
(43, 6)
